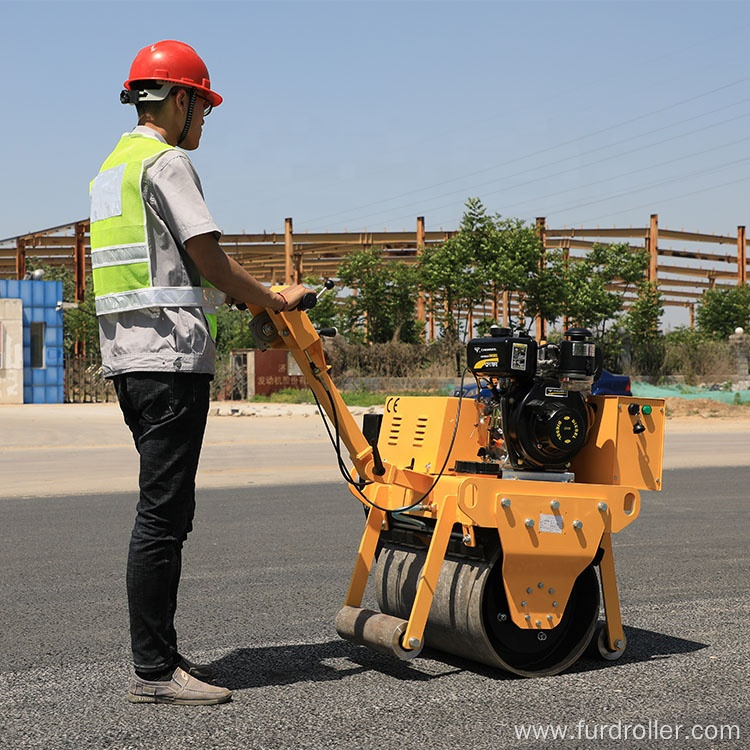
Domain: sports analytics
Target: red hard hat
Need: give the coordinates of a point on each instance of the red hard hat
(172, 62)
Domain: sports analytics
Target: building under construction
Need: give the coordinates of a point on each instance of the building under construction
(684, 263)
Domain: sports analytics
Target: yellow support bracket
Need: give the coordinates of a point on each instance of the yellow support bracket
(613, 619)
(365, 557)
(430, 573)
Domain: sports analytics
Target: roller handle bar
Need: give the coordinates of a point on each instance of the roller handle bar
(307, 302)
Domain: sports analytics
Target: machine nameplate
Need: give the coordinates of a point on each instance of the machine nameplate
(550, 523)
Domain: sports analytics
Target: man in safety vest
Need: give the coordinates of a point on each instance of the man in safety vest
(159, 274)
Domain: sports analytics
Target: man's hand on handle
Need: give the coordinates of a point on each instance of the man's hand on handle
(289, 297)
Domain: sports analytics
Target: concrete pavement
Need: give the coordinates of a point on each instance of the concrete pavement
(55, 449)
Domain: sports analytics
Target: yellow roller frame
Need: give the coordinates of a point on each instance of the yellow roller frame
(549, 531)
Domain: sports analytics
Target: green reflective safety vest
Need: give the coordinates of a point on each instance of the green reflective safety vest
(120, 251)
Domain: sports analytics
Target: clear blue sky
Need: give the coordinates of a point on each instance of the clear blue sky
(363, 115)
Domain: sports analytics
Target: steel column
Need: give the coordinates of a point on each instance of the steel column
(420, 248)
(79, 255)
(288, 250)
(741, 256)
(541, 230)
(20, 258)
(652, 243)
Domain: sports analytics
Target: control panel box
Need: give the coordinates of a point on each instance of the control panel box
(626, 443)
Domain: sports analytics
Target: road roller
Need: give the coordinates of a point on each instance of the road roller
(488, 519)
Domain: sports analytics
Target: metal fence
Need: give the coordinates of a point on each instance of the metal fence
(230, 381)
(84, 382)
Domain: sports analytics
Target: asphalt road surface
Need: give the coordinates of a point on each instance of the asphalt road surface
(265, 572)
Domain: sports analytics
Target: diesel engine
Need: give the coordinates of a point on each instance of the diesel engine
(532, 398)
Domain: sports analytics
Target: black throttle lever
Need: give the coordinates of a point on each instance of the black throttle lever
(311, 298)
(378, 468)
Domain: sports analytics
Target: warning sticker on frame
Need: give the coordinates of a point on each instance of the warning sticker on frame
(550, 523)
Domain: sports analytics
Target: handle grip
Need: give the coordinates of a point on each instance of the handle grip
(307, 302)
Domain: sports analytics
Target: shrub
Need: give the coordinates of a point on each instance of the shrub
(699, 358)
(393, 359)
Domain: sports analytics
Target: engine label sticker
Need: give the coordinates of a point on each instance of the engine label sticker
(555, 392)
(550, 523)
(492, 362)
(518, 356)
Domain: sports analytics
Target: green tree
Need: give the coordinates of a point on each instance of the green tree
(383, 306)
(450, 272)
(642, 326)
(448, 276)
(522, 265)
(588, 301)
(80, 324)
(506, 258)
(326, 312)
(232, 330)
(723, 310)
(487, 257)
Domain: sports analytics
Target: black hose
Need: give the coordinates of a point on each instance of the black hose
(342, 468)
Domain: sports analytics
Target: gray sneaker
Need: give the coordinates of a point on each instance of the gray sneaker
(181, 690)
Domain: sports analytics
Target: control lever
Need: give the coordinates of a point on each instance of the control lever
(311, 299)
(371, 430)
(378, 469)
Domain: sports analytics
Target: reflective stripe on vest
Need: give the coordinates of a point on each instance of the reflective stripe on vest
(120, 255)
(165, 296)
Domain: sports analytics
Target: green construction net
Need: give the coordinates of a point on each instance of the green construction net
(646, 390)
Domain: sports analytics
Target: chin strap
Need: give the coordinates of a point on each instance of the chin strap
(188, 117)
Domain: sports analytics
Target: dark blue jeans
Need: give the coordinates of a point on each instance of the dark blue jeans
(166, 413)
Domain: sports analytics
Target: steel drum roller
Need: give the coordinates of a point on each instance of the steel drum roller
(469, 615)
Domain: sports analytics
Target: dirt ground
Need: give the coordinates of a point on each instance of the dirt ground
(706, 408)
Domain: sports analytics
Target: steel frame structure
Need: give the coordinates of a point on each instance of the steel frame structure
(684, 264)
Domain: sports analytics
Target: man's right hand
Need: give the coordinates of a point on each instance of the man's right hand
(290, 296)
